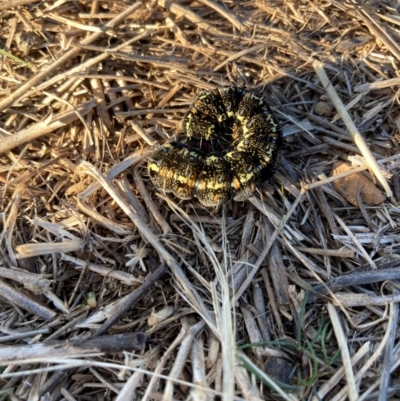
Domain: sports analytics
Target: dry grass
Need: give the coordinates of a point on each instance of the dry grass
(110, 290)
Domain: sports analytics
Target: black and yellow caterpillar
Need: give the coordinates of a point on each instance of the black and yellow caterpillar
(233, 143)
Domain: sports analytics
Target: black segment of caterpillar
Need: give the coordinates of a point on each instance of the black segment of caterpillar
(233, 144)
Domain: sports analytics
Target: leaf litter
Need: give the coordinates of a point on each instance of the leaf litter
(111, 290)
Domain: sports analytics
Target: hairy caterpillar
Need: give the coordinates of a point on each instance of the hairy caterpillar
(233, 143)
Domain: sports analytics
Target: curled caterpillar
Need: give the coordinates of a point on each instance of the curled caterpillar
(233, 144)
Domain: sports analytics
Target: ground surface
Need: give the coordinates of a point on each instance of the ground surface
(111, 290)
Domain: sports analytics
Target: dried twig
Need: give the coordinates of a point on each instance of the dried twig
(357, 138)
(344, 352)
